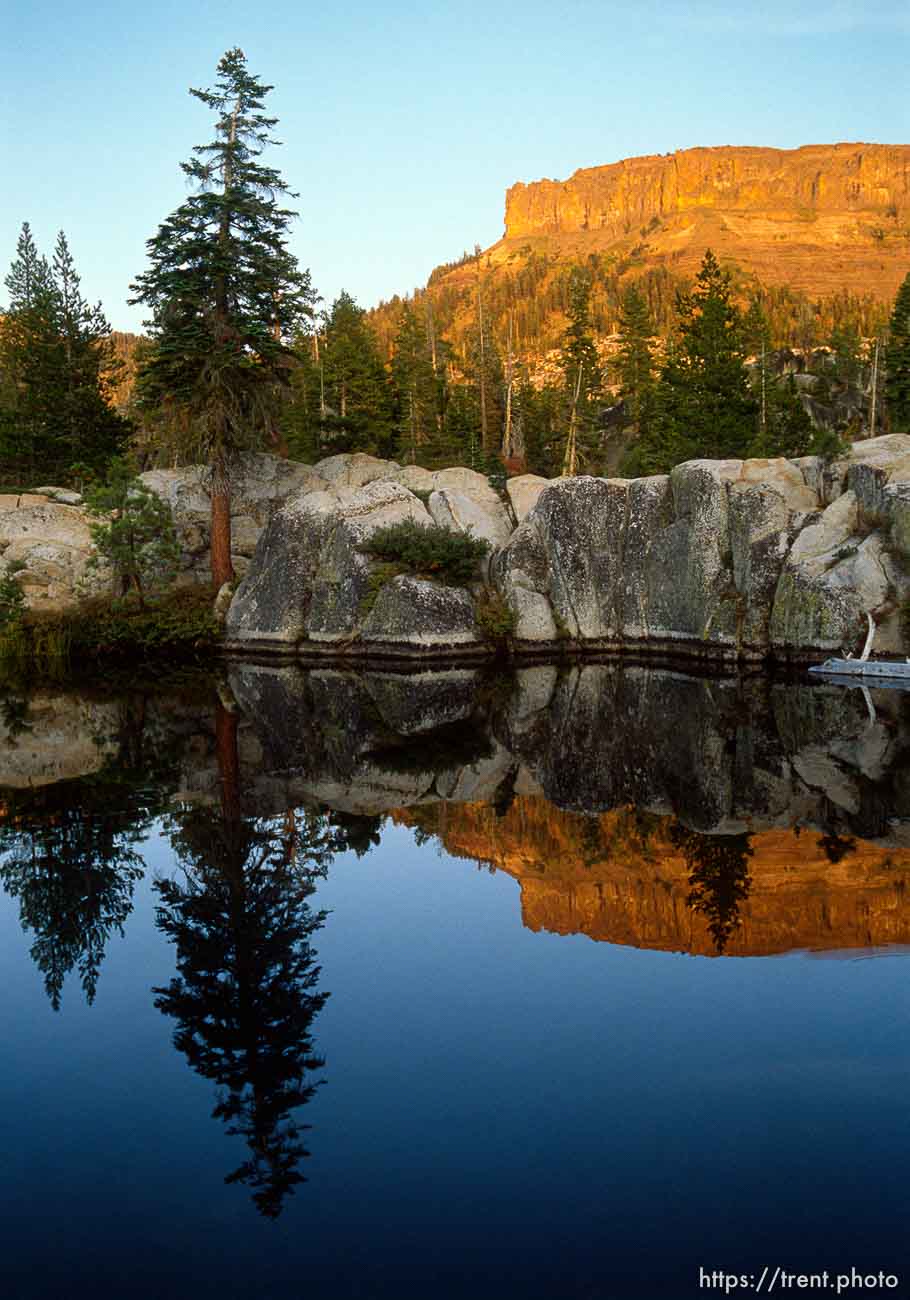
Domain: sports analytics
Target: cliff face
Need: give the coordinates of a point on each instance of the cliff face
(773, 211)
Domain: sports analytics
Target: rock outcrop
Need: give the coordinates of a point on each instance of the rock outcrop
(261, 485)
(50, 537)
(737, 560)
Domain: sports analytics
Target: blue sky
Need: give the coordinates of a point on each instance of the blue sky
(404, 123)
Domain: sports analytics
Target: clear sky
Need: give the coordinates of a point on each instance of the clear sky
(404, 123)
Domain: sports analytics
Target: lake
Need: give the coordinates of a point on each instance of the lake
(568, 982)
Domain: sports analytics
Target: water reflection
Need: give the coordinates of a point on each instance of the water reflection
(636, 806)
(69, 850)
(245, 994)
(719, 879)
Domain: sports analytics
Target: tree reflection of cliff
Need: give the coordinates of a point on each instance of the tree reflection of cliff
(68, 852)
(719, 879)
(245, 995)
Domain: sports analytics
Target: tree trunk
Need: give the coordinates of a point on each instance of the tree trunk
(483, 372)
(507, 449)
(228, 762)
(874, 390)
(222, 569)
(570, 460)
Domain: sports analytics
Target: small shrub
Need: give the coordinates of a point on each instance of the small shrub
(430, 550)
(829, 445)
(905, 622)
(380, 575)
(12, 598)
(136, 537)
(495, 617)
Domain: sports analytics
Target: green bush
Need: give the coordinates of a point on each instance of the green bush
(430, 550)
(905, 622)
(495, 617)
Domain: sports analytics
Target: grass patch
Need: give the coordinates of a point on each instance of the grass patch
(177, 625)
(428, 550)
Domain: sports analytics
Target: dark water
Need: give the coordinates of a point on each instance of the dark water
(567, 984)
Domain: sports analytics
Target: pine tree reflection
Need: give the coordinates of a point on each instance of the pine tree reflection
(719, 879)
(245, 995)
(68, 851)
(836, 846)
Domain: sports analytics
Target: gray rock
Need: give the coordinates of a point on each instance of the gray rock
(416, 613)
(483, 518)
(308, 578)
(524, 491)
(354, 469)
(261, 484)
(581, 525)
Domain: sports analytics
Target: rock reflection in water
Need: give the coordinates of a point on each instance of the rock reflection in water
(634, 805)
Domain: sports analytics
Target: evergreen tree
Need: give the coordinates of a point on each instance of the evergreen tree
(358, 415)
(581, 375)
(418, 389)
(846, 345)
(788, 430)
(705, 405)
(225, 294)
(135, 536)
(782, 424)
(460, 441)
(303, 410)
(483, 369)
(69, 851)
(56, 365)
(540, 412)
(897, 361)
(719, 879)
(634, 360)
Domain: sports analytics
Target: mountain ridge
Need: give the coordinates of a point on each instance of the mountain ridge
(821, 221)
(772, 211)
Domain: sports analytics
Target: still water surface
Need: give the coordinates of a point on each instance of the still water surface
(567, 984)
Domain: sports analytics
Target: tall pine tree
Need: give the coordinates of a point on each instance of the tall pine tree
(418, 389)
(897, 361)
(634, 364)
(226, 295)
(581, 376)
(704, 404)
(358, 414)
